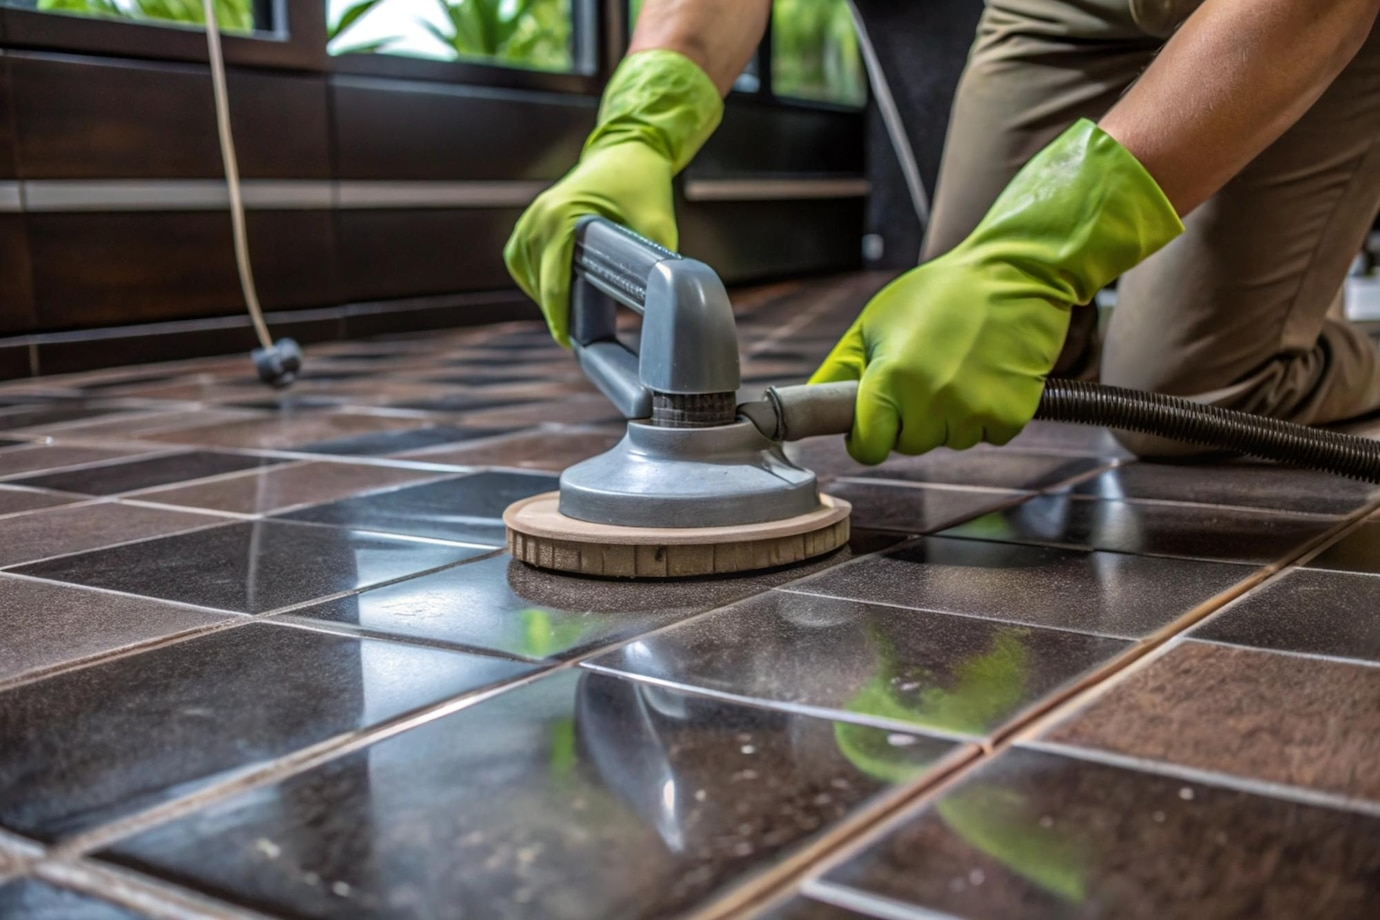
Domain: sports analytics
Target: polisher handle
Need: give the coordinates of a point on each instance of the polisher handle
(807, 411)
(689, 342)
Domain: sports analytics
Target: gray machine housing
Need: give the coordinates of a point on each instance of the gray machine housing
(666, 471)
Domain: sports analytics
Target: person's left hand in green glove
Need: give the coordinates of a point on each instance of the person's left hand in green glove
(956, 351)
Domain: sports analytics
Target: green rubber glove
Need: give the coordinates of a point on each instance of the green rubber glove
(956, 351)
(658, 110)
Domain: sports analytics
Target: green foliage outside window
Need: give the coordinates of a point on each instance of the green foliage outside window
(231, 15)
(815, 52)
(522, 33)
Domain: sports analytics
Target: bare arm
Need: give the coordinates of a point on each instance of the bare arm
(718, 35)
(1234, 78)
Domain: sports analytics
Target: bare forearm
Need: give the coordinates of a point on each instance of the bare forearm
(1234, 78)
(718, 35)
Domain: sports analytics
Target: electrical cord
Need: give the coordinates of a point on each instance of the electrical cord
(277, 362)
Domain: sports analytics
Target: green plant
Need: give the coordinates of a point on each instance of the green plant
(528, 33)
(815, 52)
(352, 15)
(231, 15)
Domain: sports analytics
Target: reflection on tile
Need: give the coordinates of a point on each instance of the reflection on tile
(1006, 469)
(1301, 721)
(1358, 551)
(592, 797)
(46, 624)
(543, 450)
(951, 674)
(35, 900)
(1323, 613)
(15, 501)
(53, 414)
(1109, 593)
(913, 509)
(1073, 439)
(398, 442)
(253, 566)
(503, 605)
(50, 457)
(578, 410)
(298, 484)
(1033, 835)
(286, 432)
(57, 531)
(469, 509)
(113, 478)
(1202, 532)
(1251, 485)
(102, 742)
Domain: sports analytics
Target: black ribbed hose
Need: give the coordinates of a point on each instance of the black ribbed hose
(1210, 426)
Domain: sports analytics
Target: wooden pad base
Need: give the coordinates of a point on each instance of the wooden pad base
(540, 535)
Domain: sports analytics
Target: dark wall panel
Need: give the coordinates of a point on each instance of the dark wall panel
(396, 129)
(112, 269)
(6, 119)
(751, 240)
(758, 138)
(386, 254)
(83, 117)
(16, 288)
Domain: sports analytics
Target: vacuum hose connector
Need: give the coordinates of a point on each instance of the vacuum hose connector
(807, 411)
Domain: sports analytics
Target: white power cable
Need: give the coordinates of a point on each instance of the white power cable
(232, 175)
(891, 118)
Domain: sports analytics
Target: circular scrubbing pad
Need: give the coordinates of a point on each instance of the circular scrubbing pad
(541, 536)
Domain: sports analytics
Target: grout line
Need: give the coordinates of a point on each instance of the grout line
(1301, 795)
(344, 630)
(806, 709)
(937, 486)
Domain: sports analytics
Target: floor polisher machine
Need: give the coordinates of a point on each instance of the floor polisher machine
(700, 485)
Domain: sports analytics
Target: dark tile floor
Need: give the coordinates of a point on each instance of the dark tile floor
(264, 654)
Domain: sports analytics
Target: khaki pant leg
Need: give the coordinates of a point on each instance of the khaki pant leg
(1035, 68)
(1234, 312)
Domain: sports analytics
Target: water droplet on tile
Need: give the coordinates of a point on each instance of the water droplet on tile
(976, 877)
(268, 848)
(1186, 794)
(896, 739)
(340, 889)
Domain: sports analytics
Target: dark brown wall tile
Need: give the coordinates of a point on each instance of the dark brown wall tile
(756, 138)
(394, 129)
(1281, 718)
(96, 118)
(6, 121)
(112, 269)
(751, 240)
(385, 254)
(16, 279)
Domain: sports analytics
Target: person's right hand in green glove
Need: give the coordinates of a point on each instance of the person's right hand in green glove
(657, 111)
(956, 351)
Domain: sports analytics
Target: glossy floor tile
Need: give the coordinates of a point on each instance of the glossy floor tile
(1320, 613)
(1357, 551)
(252, 567)
(16, 461)
(807, 909)
(1112, 594)
(36, 416)
(271, 490)
(503, 605)
(287, 432)
(914, 509)
(38, 900)
(47, 624)
(1033, 835)
(928, 671)
(392, 443)
(78, 528)
(594, 797)
(468, 508)
(1250, 485)
(539, 450)
(1224, 534)
(1002, 468)
(1260, 715)
(92, 745)
(114, 478)
(19, 500)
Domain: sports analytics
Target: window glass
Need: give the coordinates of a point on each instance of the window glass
(517, 33)
(232, 15)
(815, 52)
